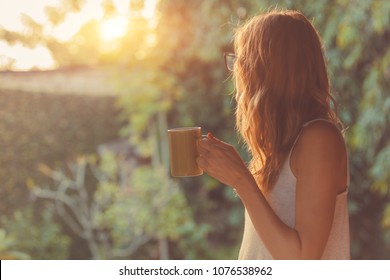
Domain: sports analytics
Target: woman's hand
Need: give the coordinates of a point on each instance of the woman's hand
(221, 161)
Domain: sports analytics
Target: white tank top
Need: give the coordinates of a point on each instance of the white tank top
(282, 200)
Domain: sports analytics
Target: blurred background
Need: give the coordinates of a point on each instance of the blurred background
(88, 89)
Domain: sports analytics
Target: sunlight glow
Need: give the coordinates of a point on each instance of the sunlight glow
(23, 58)
(149, 9)
(113, 28)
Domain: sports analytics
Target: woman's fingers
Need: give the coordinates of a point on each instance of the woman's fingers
(209, 150)
(202, 163)
(212, 147)
(207, 167)
(208, 154)
(219, 159)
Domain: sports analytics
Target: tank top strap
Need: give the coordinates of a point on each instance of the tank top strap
(300, 131)
(299, 134)
(316, 120)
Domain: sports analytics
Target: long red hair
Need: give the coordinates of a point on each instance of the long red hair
(281, 82)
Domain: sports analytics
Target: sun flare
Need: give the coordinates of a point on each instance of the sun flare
(113, 28)
(149, 9)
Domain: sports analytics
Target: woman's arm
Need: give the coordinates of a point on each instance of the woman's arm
(319, 165)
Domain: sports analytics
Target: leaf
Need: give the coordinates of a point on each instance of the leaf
(386, 217)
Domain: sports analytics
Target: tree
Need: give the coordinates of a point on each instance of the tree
(357, 44)
(171, 74)
(114, 216)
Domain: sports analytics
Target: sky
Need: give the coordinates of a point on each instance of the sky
(40, 57)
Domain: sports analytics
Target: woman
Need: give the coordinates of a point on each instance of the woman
(295, 190)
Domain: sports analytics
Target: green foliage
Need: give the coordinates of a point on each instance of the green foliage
(50, 129)
(183, 78)
(38, 237)
(7, 245)
(164, 200)
(145, 95)
(172, 75)
(357, 47)
(114, 215)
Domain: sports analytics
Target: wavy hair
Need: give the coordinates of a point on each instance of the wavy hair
(281, 82)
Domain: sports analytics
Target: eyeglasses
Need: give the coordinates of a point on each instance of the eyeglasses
(230, 59)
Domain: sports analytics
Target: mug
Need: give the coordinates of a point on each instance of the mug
(183, 151)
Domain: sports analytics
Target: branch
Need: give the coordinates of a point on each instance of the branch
(138, 241)
(55, 195)
(65, 199)
(76, 228)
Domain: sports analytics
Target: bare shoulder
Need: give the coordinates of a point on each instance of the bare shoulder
(321, 150)
(322, 134)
